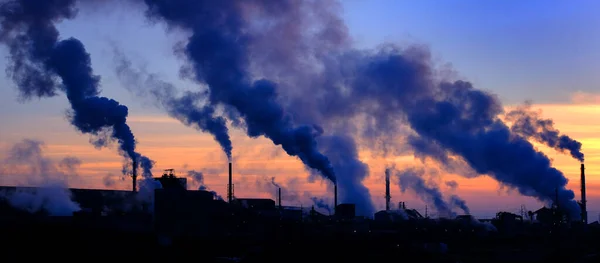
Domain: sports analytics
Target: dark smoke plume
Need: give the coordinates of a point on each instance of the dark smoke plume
(43, 184)
(412, 178)
(199, 179)
(377, 93)
(184, 108)
(37, 56)
(218, 52)
(393, 86)
(530, 124)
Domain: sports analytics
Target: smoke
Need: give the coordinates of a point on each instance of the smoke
(219, 55)
(460, 203)
(37, 56)
(184, 108)
(452, 184)
(322, 204)
(530, 124)
(109, 180)
(380, 95)
(199, 179)
(47, 183)
(412, 178)
(291, 194)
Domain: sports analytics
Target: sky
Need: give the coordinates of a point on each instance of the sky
(546, 52)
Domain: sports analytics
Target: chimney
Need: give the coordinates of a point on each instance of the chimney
(230, 186)
(335, 201)
(279, 197)
(583, 197)
(388, 197)
(134, 176)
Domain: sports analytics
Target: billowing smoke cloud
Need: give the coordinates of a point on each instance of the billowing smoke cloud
(37, 56)
(343, 153)
(428, 192)
(199, 179)
(184, 108)
(393, 86)
(46, 182)
(530, 124)
(218, 52)
(376, 94)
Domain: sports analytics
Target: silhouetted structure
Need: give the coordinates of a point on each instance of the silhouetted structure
(583, 197)
(134, 176)
(345, 211)
(388, 196)
(230, 186)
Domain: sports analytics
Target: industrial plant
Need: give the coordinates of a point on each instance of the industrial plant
(197, 222)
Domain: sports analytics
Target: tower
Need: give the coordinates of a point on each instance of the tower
(388, 197)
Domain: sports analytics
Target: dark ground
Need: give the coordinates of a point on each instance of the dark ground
(65, 239)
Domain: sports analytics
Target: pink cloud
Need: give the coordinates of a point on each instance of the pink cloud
(581, 97)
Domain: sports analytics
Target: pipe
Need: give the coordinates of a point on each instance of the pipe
(388, 197)
(230, 186)
(134, 176)
(583, 197)
(335, 201)
(279, 197)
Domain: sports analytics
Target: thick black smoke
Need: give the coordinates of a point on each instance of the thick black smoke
(530, 124)
(393, 86)
(37, 56)
(412, 178)
(185, 108)
(219, 55)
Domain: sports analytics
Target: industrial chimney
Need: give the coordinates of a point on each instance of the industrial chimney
(388, 197)
(335, 201)
(230, 186)
(134, 176)
(583, 198)
(279, 194)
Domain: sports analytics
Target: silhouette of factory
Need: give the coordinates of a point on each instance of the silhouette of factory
(177, 215)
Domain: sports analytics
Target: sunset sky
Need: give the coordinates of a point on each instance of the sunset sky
(520, 50)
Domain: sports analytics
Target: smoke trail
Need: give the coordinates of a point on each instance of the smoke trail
(199, 179)
(37, 56)
(183, 108)
(394, 86)
(378, 93)
(460, 203)
(411, 178)
(291, 194)
(529, 124)
(321, 204)
(219, 55)
(50, 192)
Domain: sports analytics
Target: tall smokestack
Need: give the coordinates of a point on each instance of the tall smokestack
(230, 186)
(388, 197)
(279, 194)
(583, 199)
(134, 177)
(335, 203)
